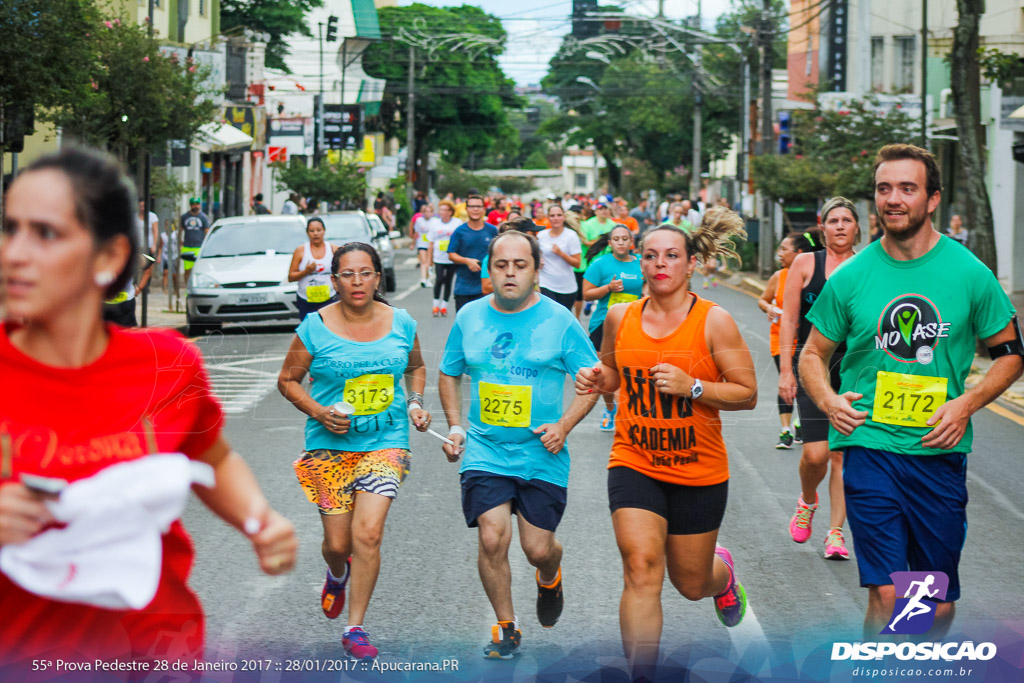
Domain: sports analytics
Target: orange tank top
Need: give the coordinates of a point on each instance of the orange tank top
(668, 438)
(773, 331)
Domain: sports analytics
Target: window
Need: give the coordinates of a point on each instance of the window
(903, 64)
(581, 180)
(878, 64)
(202, 8)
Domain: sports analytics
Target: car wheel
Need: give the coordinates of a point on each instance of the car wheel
(390, 282)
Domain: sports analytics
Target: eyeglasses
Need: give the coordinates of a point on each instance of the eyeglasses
(349, 274)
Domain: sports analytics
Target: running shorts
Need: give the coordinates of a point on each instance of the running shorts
(813, 422)
(539, 502)
(330, 479)
(906, 512)
(688, 509)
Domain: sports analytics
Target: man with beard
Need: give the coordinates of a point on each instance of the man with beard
(516, 346)
(902, 415)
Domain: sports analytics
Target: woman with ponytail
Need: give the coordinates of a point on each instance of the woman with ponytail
(611, 279)
(358, 350)
(806, 279)
(676, 360)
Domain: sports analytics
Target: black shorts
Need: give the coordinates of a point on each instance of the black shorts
(597, 337)
(688, 509)
(579, 286)
(813, 422)
(122, 314)
(566, 300)
(539, 502)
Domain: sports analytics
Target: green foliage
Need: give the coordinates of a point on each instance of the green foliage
(136, 97)
(164, 185)
(1005, 69)
(461, 101)
(344, 182)
(514, 185)
(46, 53)
(452, 178)
(537, 160)
(833, 153)
(277, 18)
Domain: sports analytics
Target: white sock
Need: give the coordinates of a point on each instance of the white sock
(785, 430)
(353, 626)
(335, 578)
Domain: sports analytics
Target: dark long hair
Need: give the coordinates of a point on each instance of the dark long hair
(603, 241)
(104, 200)
(348, 248)
(811, 240)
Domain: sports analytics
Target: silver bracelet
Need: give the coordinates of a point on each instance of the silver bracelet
(414, 398)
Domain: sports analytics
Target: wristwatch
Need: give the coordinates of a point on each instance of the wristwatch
(697, 390)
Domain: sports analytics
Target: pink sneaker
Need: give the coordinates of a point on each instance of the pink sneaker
(835, 546)
(800, 525)
(357, 644)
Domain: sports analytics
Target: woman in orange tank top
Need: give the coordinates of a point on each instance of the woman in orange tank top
(771, 304)
(676, 360)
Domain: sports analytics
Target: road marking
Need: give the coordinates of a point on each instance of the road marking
(1008, 414)
(407, 292)
(238, 388)
(412, 261)
(1003, 503)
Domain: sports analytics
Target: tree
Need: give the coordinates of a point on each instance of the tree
(277, 18)
(461, 92)
(536, 160)
(343, 182)
(136, 98)
(44, 85)
(833, 152)
(965, 81)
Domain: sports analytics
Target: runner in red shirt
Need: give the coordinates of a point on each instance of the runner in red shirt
(93, 396)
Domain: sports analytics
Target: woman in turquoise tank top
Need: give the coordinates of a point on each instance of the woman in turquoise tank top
(356, 351)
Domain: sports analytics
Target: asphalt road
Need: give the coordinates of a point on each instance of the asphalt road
(429, 606)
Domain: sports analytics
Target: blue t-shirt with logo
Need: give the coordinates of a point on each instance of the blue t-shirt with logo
(470, 243)
(366, 374)
(602, 271)
(517, 364)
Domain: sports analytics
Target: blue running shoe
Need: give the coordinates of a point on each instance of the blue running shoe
(608, 420)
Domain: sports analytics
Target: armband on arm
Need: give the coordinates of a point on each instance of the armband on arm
(1010, 348)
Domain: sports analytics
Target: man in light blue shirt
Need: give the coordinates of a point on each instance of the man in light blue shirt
(517, 347)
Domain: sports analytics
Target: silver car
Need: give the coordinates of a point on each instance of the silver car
(357, 226)
(241, 272)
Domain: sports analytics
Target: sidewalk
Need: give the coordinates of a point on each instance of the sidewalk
(158, 314)
(1012, 399)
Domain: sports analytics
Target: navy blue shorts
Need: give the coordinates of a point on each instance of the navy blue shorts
(539, 502)
(906, 512)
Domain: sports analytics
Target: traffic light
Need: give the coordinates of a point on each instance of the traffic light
(332, 29)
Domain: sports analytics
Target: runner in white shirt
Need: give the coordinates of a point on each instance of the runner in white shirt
(561, 251)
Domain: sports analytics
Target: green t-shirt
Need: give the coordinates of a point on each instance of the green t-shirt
(592, 229)
(915, 317)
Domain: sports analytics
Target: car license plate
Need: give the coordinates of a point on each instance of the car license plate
(244, 299)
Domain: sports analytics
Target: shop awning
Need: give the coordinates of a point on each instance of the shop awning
(1018, 113)
(220, 137)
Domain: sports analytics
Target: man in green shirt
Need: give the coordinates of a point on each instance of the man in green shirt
(908, 308)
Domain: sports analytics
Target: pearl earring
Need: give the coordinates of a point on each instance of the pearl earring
(105, 278)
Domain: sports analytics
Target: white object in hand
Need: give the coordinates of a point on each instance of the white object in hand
(443, 438)
(345, 409)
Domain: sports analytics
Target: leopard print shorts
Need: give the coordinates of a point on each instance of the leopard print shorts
(331, 478)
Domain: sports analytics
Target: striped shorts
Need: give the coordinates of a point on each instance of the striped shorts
(330, 479)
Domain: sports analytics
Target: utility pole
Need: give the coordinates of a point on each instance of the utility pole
(318, 103)
(698, 96)
(924, 74)
(410, 115)
(146, 182)
(766, 239)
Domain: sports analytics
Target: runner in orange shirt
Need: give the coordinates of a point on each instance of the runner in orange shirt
(676, 361)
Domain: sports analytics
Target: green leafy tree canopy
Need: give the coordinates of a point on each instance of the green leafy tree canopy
(277, 18)
(343, 182)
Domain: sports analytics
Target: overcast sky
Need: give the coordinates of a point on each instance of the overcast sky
(535, 27)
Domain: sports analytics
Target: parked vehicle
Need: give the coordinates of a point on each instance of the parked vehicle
(357, 226)
(241, 272)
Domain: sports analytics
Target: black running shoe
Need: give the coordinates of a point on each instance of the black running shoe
(505, 639)
(785, 441)
(549, 601)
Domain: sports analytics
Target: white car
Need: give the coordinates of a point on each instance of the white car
(241, 272)
(357, 226)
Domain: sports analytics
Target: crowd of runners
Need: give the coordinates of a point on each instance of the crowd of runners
(872, 346)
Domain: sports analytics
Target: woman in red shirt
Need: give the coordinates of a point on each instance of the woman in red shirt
(91, 396)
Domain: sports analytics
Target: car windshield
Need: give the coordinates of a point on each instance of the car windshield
(242, 239)
(345, 227)
(376, 224)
